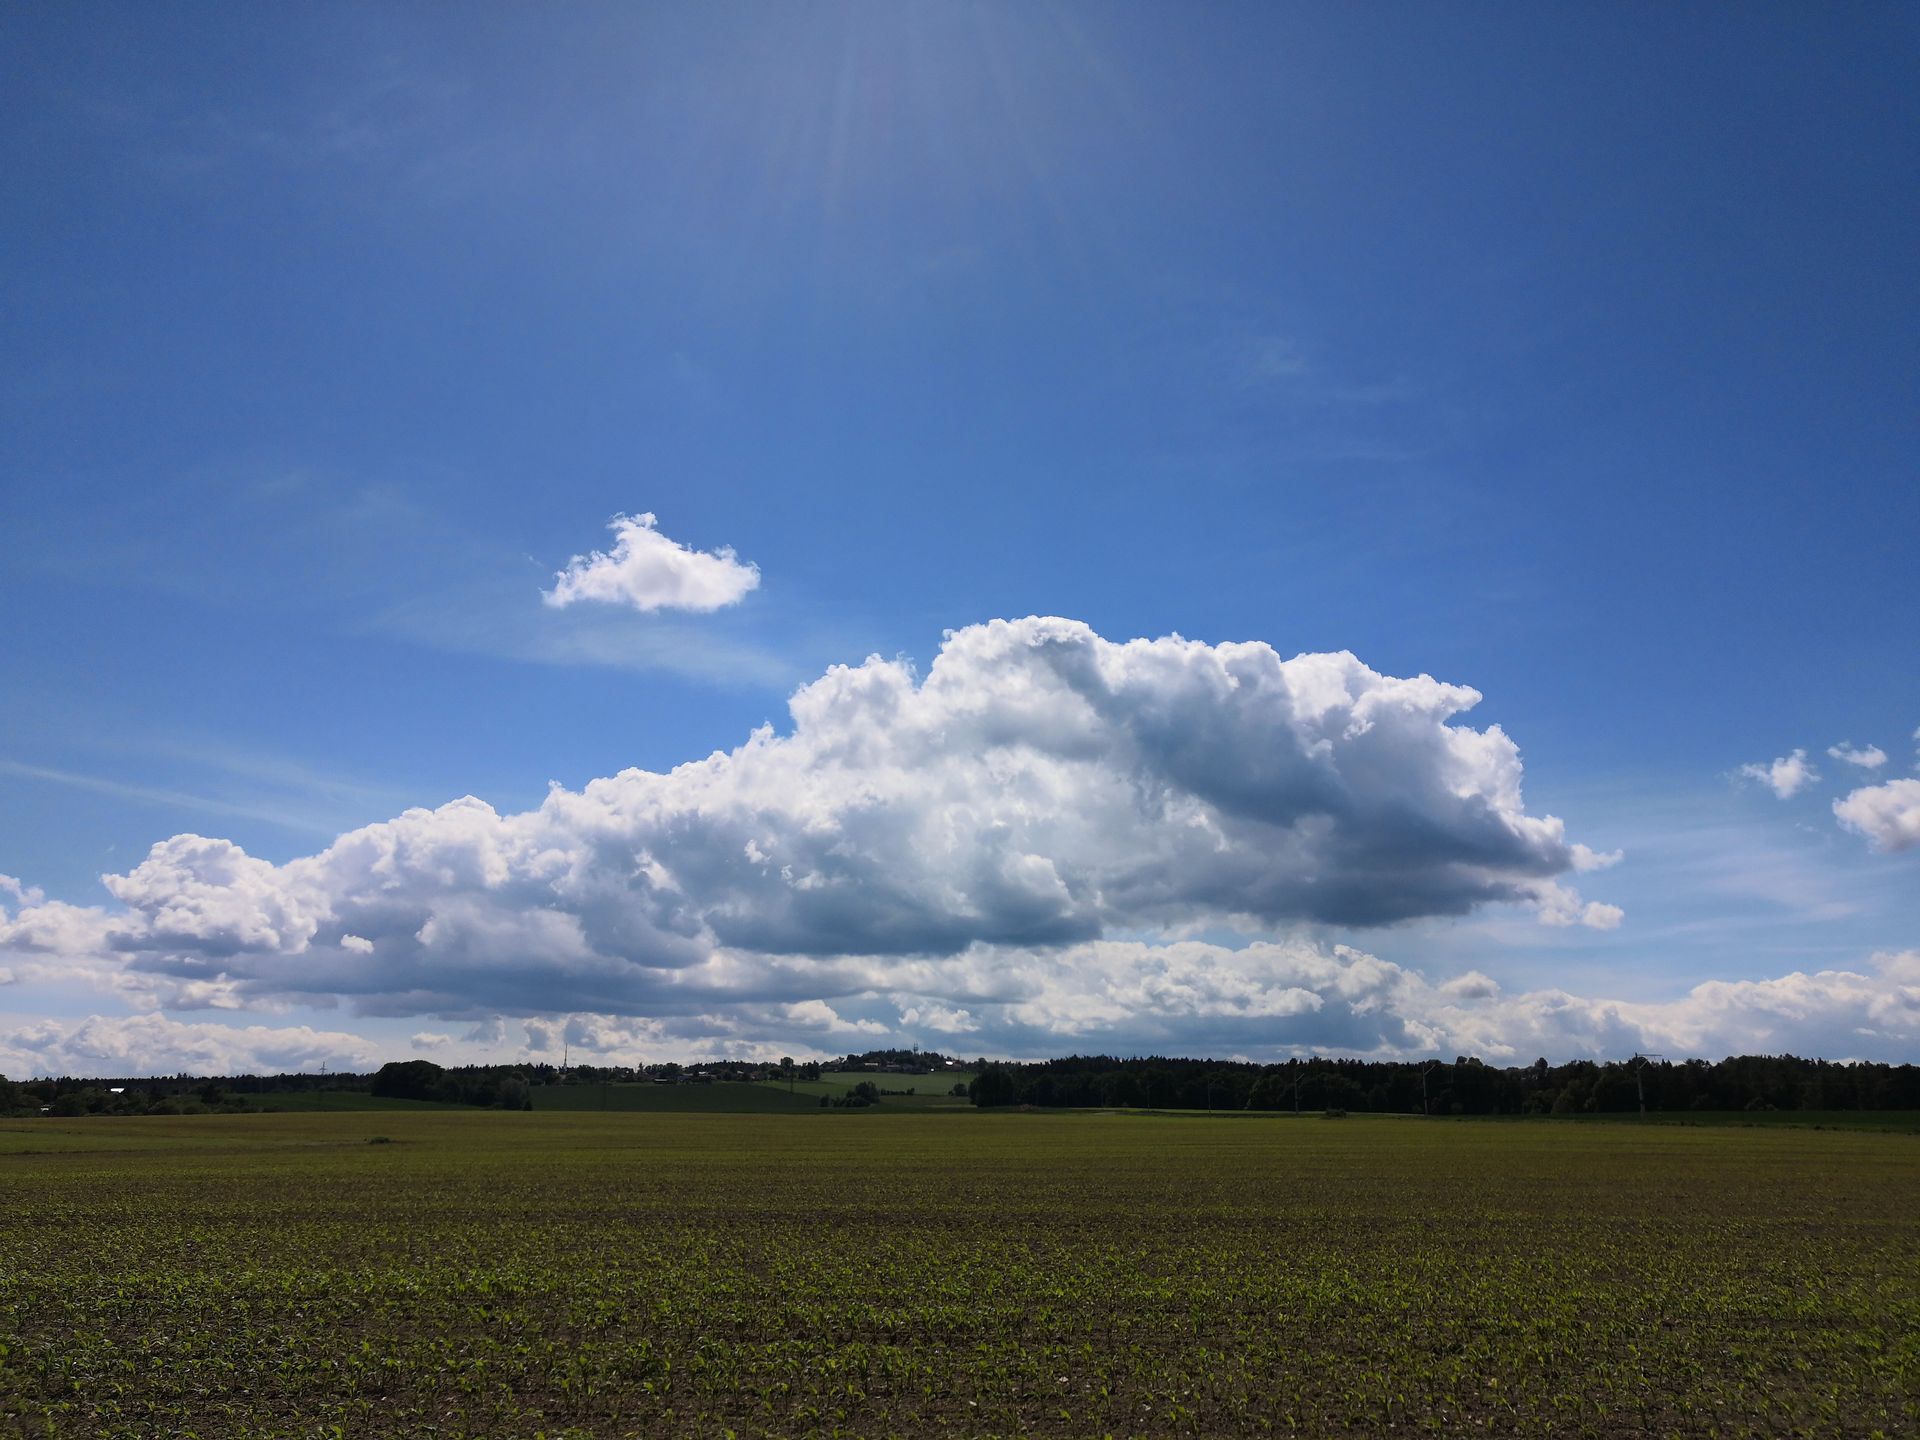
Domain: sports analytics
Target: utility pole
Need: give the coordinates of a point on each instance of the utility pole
(1639, 1063)
(1425, 1070)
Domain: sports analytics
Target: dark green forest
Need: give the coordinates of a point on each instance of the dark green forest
(1464, 1086)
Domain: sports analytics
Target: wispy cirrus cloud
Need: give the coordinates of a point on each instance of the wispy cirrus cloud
(495, 616)
(377, 560)
(203, 775)
(286, 816)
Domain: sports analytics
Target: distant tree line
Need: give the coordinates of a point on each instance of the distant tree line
(499, 1086)
(862, 1095)
(491, 1086)
(69, 1097)
(1464, 1086)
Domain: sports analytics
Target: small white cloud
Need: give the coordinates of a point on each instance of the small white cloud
(1867, 757)
(492, 1031)
(359, 944)
(1470, 986)
(945, 1019)
(812, 1012)
(1561, 907)
(25, 894)
(1787, 776)
(1888, 815)
(1597, 915)
(648, 571)
(818, 1015)
(1586, 858)
(429, 1040)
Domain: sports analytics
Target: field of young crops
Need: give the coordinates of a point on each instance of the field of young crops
(962, 1273)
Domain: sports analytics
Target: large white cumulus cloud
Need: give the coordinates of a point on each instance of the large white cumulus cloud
(1041, 788)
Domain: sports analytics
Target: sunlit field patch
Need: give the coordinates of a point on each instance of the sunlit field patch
(953, 1273)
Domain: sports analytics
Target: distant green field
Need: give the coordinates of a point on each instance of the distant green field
(723, 1097)
(1905, 1122)
(929, 1091)
(487, 1273)
(340, 1100)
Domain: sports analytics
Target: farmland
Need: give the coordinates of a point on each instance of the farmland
(867, 1273)
(720, 1097)
(764, 1097)
(930, 1092)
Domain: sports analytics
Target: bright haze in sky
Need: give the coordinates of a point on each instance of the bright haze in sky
(701, 531)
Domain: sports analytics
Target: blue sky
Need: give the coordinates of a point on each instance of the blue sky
(1565, 355)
